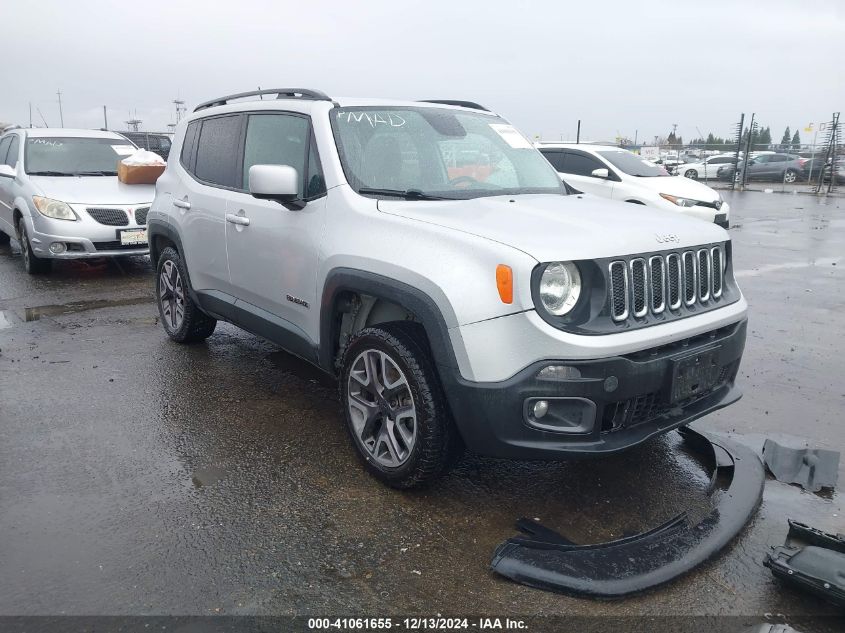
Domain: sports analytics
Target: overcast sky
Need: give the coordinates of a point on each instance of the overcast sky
(622, 67)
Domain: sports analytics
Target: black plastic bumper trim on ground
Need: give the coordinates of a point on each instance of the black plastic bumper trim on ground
(637, 563)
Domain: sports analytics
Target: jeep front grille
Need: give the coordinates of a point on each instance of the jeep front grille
(110, 217)
(673, 281)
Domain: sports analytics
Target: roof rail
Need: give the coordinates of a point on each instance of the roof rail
(454, 102)
(281, 93)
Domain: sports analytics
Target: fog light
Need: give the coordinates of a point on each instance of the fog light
(57, 248)
(576, 416)
(558, 372)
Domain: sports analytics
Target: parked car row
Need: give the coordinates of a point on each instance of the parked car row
(463, 291)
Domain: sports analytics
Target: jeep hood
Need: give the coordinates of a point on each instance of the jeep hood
(553, 227)
(92, 190)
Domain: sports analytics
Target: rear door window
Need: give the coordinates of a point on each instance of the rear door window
(579, 164)
(555, 157)
(217, 151)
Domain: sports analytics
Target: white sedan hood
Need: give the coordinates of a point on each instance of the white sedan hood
(93, 190)
(677, 186)
(554, 227)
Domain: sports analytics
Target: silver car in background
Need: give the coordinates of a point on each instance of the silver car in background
(61, 198)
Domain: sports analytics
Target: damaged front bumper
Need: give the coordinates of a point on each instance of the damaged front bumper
(546, 560)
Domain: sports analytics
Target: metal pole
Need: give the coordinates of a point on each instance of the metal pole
(578, 133)
(738, 146)
(61, 116)
(635, 136)
(747, 152)
(105, 119)
(30, 114)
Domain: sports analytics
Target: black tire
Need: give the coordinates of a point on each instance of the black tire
(32, 264)
(195, 325)
(691, 174)
(4, 239)
(438, 444)
(790, 176)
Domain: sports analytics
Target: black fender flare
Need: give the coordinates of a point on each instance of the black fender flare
(156, 228)
(341, 280)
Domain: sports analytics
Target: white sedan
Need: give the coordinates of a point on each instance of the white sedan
(708, 168)
(611, 172)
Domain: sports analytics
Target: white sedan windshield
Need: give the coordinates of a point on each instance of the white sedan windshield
(438, 152)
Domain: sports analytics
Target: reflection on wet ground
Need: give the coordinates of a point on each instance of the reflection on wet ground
(140, 476)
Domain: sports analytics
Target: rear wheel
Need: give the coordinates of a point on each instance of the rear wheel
(182, 319)
(790, 175)
(32, 264)
(394, 406)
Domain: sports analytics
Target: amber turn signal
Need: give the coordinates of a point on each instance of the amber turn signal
(504, 281)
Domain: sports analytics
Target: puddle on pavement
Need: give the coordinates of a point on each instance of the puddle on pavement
(207, 476)
(35, 313)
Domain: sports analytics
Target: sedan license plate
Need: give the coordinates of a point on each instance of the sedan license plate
(694, 374)
(133, 237)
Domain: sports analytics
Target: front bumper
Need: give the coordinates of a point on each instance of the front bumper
(84, 238)
(630, 398)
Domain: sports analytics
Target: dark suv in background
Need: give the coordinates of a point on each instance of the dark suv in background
(157, 142)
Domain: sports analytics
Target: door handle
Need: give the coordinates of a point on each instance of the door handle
(237, 219)
(182, 204)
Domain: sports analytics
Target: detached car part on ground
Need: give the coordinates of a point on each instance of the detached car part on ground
(61, 199)
(812, 561)
(428, 256)
(545, 559)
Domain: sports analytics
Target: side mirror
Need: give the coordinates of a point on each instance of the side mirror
(600, 173)
(7, 172)
(276, 182)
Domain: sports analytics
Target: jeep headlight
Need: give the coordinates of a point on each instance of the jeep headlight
(55, 209)
(681, 202)
(560, 287)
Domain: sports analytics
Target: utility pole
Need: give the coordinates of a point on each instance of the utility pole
(61, 116)
(30, 114)
(578, 133)
(180, 109)
(105, 119)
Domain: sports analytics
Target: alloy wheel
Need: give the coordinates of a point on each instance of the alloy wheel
(171, 295)
(789, 176)
(381, 407)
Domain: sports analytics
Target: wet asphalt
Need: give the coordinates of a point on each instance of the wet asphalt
(138, 476)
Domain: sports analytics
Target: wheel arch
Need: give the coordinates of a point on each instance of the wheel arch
(343, 283)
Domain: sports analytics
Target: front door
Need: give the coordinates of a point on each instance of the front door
(273, 250)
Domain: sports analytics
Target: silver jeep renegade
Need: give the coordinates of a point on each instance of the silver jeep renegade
(427, 255)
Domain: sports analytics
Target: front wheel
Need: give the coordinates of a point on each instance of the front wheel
(691, 174)
(182, 319)
(394, 406)
(33, 264)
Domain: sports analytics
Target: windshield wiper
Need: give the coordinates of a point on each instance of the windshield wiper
(407, 194)
(49, 173)
(95, 173)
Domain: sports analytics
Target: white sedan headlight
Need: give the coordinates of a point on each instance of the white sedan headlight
(560, 287)
(55, 209)
(681, 202)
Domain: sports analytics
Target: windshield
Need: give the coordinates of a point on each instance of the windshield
(75, 156)
(437, 153)
(632, 164)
